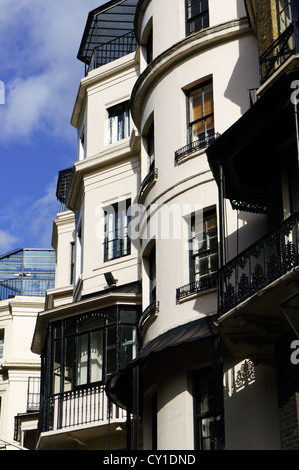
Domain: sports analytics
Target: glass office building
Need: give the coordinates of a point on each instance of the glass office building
(27, 272)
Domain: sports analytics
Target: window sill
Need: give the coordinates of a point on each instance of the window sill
(193, 290)
(115, 261)
(194, 295)
(194, 149)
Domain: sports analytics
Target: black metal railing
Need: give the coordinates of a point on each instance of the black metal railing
(117, 247)
(147, 315)
(284, 47)
(195, 146)
(262, 263)
(24, 286)
(150, 178)
(112, 50)
(80, 407)
(206, 282)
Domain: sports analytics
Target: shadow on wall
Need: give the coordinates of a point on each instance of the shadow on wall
(249, 229)
(235, 90)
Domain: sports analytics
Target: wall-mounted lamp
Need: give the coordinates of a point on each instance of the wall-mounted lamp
(110, 279)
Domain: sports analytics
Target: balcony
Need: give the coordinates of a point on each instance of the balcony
(147, 316)
(195, 146)
(206, 282)
(262, 265)
(148, 181)
(286, 45)
(82, 407)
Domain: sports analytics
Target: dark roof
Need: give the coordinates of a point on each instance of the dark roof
(106, 23)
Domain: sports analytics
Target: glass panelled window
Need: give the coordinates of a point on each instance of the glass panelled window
(203, 410)
(285, 14)
(201, 113)
(57, 360)
(118, 125)
(128, 336)
(197, 12)
(116, 241)
(204, 251)
(110, 350)
(88, 348)
(1, 344)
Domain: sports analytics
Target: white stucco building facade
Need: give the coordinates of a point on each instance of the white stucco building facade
(135, 309)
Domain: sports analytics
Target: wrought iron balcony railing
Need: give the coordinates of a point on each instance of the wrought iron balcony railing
(206, 282)
(147, 315)
(146, 183)
(284, 47)
(265, 261)
(80, 407)
(106, 53)
(195, 146)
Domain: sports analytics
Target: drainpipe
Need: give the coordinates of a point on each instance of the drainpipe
(222, 251)
(297, 132)
(222, 217)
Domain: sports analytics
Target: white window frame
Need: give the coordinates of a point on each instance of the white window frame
(117, 124)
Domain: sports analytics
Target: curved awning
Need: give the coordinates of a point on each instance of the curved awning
(119, 388)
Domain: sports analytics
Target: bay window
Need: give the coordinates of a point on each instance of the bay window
(88, 348)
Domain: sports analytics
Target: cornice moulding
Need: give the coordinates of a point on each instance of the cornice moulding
(195, 43)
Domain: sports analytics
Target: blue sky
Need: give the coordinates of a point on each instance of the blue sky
(39, 41)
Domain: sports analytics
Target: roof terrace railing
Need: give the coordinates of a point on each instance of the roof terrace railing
(112, 50)
(21, 286)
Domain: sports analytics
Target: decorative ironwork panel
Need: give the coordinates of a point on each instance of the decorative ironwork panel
(262, 263)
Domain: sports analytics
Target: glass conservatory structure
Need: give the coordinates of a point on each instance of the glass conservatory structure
(27, 272)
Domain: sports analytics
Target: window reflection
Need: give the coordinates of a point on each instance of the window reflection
(89, 348)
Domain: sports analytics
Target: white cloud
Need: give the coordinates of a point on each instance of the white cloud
(39, 42)
(7, 242)
(44, 211)
(30, 220)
